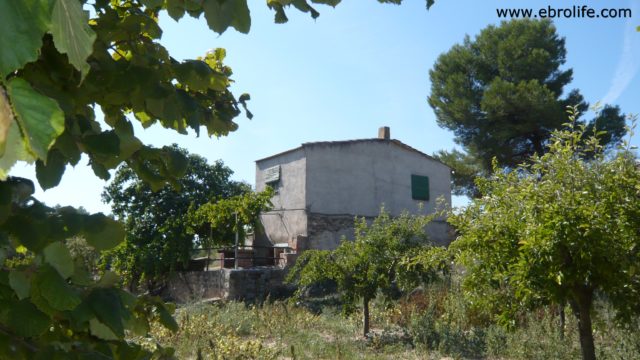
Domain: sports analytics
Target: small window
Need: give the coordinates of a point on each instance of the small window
(272, 174)
(419, 187)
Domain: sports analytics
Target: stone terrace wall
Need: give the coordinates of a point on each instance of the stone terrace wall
(229, 284)
(189, 286)
(255, 284)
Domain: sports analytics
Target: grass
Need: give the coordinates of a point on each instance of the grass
(431, 325)
(276, 330)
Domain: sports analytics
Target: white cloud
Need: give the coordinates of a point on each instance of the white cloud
(629, 63)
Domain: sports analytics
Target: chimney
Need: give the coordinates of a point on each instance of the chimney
(384, 133)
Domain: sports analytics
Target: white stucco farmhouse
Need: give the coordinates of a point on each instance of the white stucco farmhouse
(321, 186)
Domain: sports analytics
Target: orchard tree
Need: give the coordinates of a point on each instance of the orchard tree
(380, 259)
(466, 168)
(503, 94)
(59, 63)
(159, 239)
(218, 221)
(561, 229)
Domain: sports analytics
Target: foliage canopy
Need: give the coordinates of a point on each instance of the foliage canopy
(58, 65)
(50, 304)
(562, 229)
(157, 224)
(219, 220)
(502, 95)
(381, 258)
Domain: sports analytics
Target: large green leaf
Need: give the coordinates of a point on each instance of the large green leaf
(175, 9)
(29, 232)
(15, 150)
(20, 283)
(6, 119)
(138, 325)
(58, 256)
(100, 170)
(129, 144)
(22, 25)
(108, 279)
(55, 290)
(3, 252)
(104, 144)
(68, 147)
(71, 33)
(40, 118)
(195, 74)
(302, 5)
(26, 320)
(152, 3)
(107, 306)
(81, 276)
(326, 2)
(49, 173)
(165, 318)
(101, 330)
(175, 162)
(222, 14)
(103, 233)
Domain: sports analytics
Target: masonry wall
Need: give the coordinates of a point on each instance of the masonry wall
(356, 178)
(324, 185)
(288, 218)
(228, 284)
(256, 284)
(190, 286)
(326, 231)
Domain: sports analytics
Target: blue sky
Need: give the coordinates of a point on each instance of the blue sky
(357, 67)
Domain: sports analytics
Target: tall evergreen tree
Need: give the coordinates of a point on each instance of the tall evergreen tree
(503, 93)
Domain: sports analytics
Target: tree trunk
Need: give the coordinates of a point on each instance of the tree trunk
(582, 308)
(536, 141)
(586, 336)
(562, 322)
(365, 317)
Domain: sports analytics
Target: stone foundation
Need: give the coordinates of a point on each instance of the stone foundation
(318, 223)
(228, 284)
(325, 232)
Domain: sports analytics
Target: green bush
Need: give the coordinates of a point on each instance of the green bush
(447, 337)
(439, 320)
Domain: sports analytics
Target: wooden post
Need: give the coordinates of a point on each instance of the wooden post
(209, 246)
(236, 254)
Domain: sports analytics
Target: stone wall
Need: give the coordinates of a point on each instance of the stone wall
(326, 231)
(255, 284)
(229, 284)
(190, 286)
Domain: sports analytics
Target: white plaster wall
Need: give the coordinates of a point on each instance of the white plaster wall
(288, 218)
(356, 178)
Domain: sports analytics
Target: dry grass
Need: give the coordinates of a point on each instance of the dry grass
(431, 325)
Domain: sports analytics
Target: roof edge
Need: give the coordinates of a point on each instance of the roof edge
(341, 142)
(279, 154)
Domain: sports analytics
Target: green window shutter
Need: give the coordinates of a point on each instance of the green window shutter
(420, 187)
